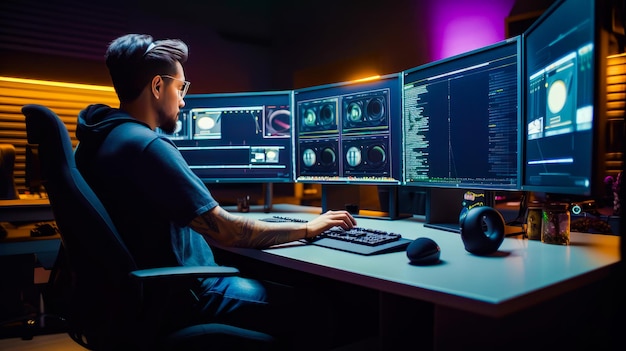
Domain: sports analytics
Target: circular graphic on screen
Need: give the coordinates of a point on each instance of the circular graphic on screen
(308, 157)
(557, 96)
(279, 122)
(309, 118)
(353, 156)
(327, 115)
(354, 112)
(376, 154)
(205, 123)
(376, 109)
(328, 156)
(271, 156)
(179, 127)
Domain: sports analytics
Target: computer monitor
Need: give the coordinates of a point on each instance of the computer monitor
(238, 137)
(571, 142)
(8, 190)
(461, 120)
(32, 172)
(349, 132)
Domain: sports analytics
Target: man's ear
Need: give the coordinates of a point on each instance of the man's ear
(156, 85)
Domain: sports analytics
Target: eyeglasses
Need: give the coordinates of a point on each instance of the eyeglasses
(183, 89)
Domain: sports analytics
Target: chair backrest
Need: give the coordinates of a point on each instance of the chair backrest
(97, 263)
(105, 307)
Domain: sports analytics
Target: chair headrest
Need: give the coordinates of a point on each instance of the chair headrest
(45, 128)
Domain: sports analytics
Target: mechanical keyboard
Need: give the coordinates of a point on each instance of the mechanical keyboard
(357, 240)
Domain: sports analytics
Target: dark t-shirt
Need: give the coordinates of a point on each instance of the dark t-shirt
(150, 193)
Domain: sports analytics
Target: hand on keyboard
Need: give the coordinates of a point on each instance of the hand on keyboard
(358, 235)
(354, 239)
(328, 220)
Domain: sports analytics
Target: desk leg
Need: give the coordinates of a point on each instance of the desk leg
(404, 323)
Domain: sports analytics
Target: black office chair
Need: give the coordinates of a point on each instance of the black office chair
(105, 299)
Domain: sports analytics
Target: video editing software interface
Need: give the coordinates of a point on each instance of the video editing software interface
(461, 120)
(349, 132)
(564, 101)
(238, 137)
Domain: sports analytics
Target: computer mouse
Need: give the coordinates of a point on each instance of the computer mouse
(423, 251)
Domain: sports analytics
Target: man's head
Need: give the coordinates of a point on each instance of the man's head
(136, 62)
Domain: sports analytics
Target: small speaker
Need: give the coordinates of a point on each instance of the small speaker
(482, 230)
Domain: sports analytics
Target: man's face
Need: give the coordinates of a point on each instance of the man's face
(175, 87)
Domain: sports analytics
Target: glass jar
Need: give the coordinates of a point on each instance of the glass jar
(533, 222)
(555, 223)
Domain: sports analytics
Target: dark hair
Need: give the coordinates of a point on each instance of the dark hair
(134, 59)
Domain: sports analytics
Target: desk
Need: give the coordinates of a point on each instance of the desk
(19, 241)
(463, 289)
(25, 210)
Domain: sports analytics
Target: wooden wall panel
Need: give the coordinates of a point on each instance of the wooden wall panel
(65, 99)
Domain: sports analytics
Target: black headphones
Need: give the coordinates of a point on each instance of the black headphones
(482, 229)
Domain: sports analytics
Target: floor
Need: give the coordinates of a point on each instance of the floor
(49, 342)
(62, 342)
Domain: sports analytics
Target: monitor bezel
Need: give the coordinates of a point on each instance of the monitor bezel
(237, 100)
(514, 41)
(597, 166)
(348, 88)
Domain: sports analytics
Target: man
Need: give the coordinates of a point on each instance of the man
(164, 213)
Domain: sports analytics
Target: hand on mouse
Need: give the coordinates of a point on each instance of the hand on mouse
(328, 220)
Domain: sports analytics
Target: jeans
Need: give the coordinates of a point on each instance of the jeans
(257, 305)
(221, 298)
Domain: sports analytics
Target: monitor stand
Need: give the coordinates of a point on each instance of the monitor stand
(268, 192)
(444, 209)
(348, 197)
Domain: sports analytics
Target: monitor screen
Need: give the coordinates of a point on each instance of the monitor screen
(238, 137)
(565, 79)
(33, 177)
(461, 120)
(349, 132)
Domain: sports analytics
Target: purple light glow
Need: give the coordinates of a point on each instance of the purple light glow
(458, 26)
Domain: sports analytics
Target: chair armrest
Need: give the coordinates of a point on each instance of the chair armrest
(185, 272)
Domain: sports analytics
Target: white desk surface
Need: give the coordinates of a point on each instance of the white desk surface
(520, 274)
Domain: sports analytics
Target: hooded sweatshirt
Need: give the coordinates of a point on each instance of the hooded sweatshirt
(146, 186)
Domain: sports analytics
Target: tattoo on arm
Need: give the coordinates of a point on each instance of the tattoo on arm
(247, 231)
(205, 224)
(210, 222)
(232, 230)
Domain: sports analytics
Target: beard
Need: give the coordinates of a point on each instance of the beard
(168, 125)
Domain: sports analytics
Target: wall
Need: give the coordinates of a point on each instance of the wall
(242, 45)
(245, 45)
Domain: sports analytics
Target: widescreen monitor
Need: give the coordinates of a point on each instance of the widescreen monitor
(349, 132)
(571, 142)
(238, 137)
(461, 120)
